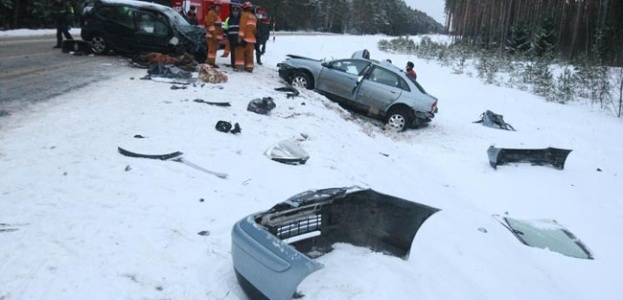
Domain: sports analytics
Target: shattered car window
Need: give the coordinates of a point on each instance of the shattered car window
(548, 234)
(349, 66)
(148, 23)
(145, 23)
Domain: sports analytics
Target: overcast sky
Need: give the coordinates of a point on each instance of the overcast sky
(433, 8)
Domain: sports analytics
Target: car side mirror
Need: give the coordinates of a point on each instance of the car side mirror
(174, 41)
(326, 65)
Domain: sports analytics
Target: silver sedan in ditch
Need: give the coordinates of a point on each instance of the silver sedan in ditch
(377, 89)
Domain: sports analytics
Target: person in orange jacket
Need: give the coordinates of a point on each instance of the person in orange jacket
(214, 30)
(246, 38)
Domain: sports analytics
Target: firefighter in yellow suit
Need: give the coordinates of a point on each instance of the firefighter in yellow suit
(246, 38)
(214, 30)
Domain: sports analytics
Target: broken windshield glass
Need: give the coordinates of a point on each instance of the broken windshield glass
(548, 234)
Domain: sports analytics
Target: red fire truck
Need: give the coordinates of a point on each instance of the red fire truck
(202, 7)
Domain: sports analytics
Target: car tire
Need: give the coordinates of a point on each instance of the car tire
(301, 80)
(99, 45)
(398, 119)
(201, 55)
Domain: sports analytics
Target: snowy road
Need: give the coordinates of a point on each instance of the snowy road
(32, 71)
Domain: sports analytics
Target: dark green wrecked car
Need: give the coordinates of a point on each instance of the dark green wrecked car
(134, 27)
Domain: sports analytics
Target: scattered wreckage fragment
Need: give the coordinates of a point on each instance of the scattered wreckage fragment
(212, 103)
(493, 120)
(290, 91)
(5, 227)
(552, 156)
(224, 126)
(287, 152)
(168, 71)
(273, 250)
(261, 106)
(546, 234)
(173, 156)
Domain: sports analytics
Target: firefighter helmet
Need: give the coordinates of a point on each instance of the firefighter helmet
(247, 5)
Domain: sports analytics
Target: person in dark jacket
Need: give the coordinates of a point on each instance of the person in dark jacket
(191, 16)
(232, 24)
(262, 34)
(62, 17)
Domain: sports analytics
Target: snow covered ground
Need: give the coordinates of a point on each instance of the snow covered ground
(80, 221)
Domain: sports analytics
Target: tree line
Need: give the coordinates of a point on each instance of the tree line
(571, 28)
(599, 85)
(392, 17)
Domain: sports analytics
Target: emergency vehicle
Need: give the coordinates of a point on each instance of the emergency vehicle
(202, 7)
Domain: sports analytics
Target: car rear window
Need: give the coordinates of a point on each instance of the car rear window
(419, 87)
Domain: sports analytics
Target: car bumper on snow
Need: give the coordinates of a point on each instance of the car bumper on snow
(273, 251)
(285, 71)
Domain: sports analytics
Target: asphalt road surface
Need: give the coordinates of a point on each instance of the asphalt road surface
(31, 71)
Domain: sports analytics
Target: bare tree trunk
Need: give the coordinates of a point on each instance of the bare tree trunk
(16, 9)
(620, 91)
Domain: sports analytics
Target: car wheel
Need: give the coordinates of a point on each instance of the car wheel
(201, 55)
(99, 45)
(399, 119)
(301, 80)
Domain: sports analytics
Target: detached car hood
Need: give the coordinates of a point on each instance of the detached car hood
(301, 57)
(273, 251)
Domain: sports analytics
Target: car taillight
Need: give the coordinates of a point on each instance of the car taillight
(433, 107)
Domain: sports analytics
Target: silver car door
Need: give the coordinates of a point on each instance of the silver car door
(379, 89)
(340, 77)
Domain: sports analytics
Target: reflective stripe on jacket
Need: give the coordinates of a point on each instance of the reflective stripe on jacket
(213, 25)
(232, 26)
(248, 27)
